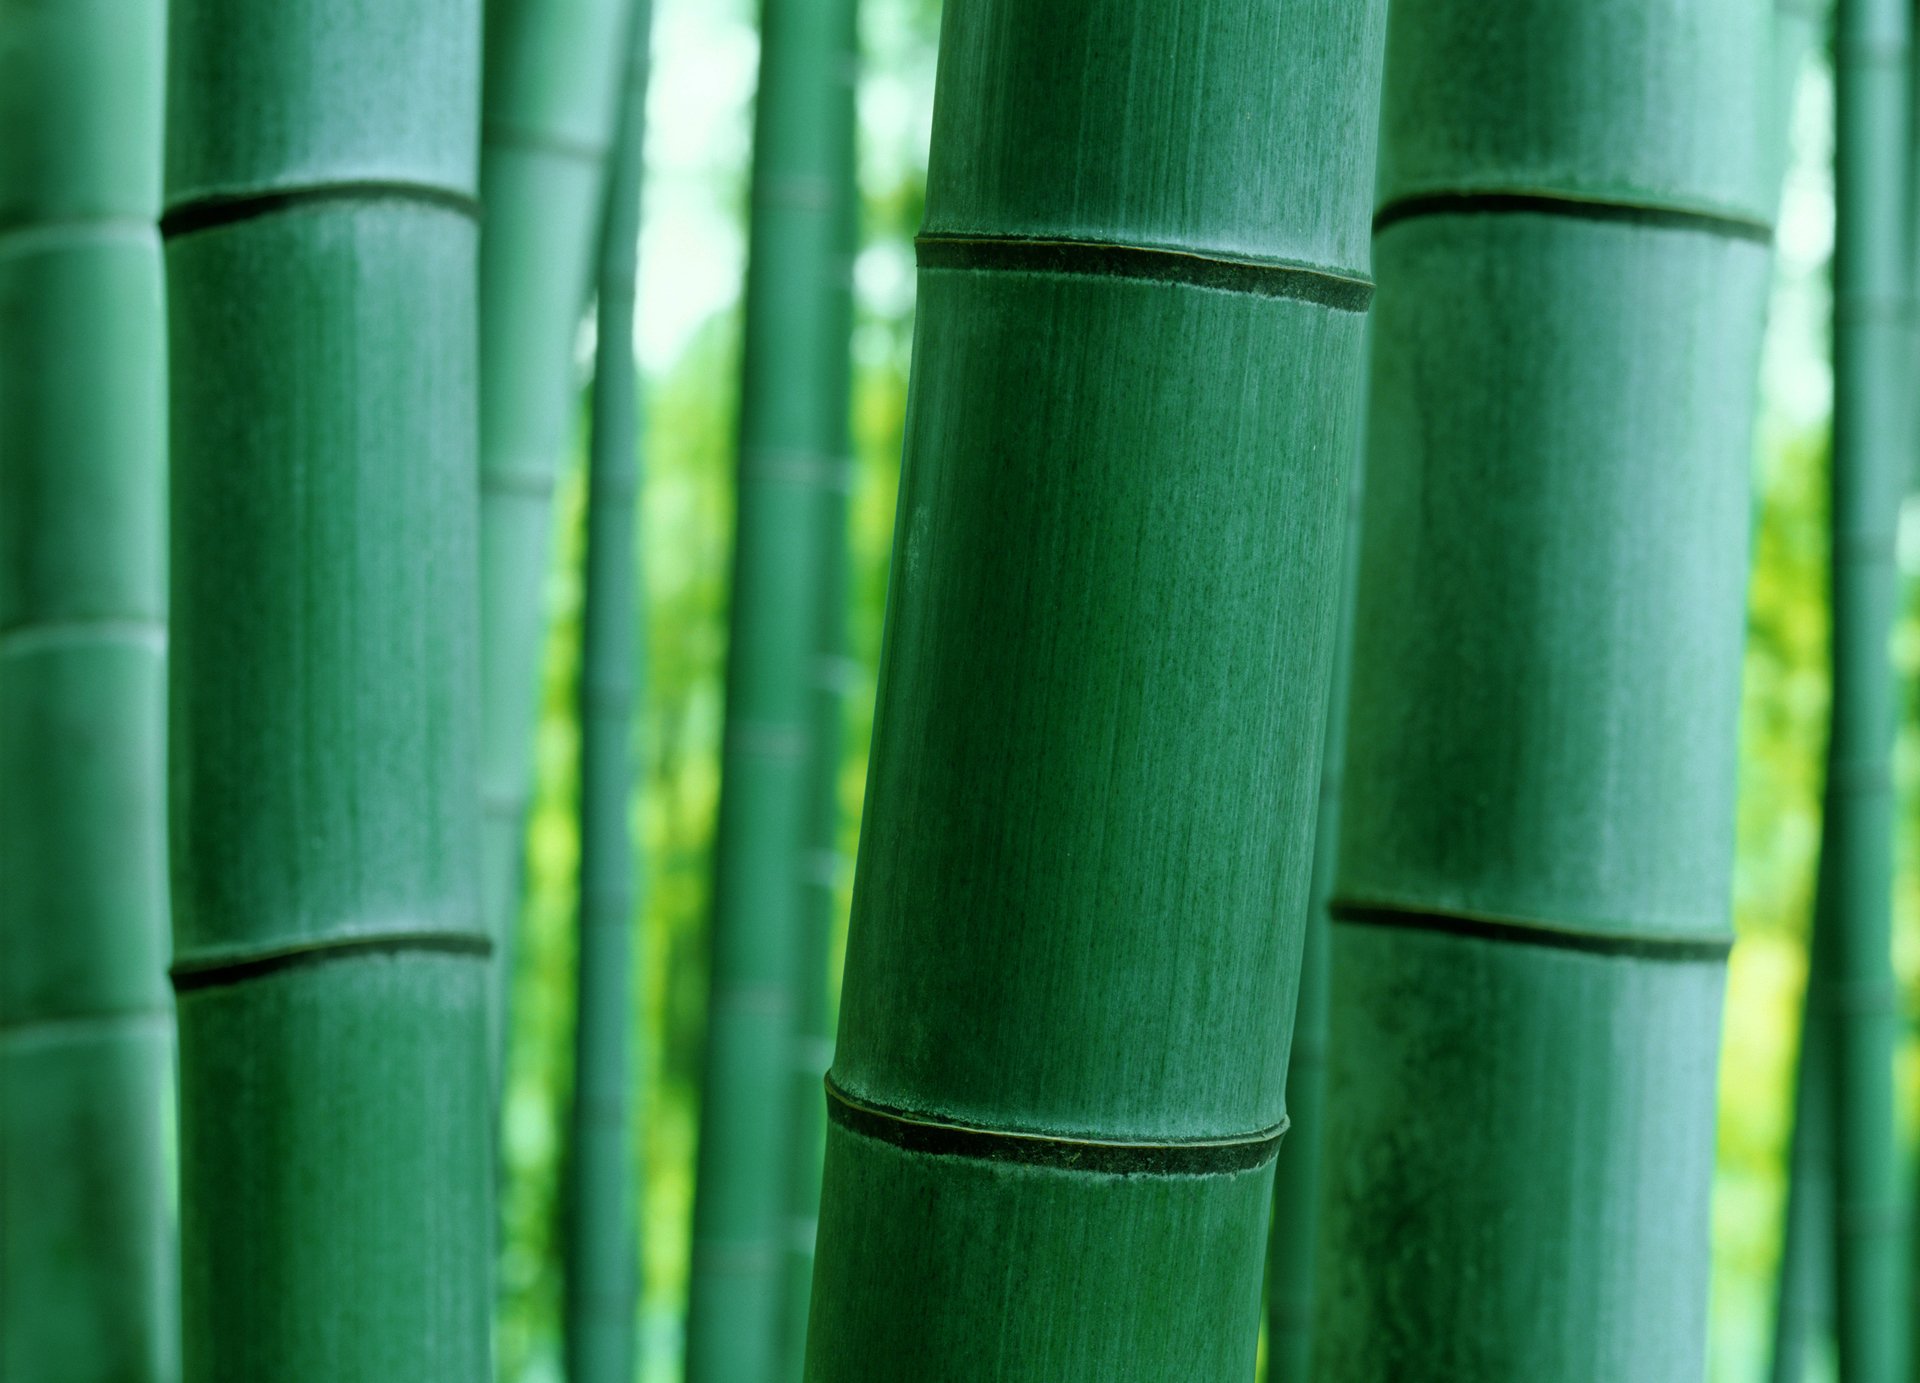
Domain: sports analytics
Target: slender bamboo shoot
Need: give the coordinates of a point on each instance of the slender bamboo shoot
(602, 1263)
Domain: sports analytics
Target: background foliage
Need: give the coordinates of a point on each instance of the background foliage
(692, 252)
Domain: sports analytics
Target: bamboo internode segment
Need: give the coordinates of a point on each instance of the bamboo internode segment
(1091, 798)
(1538, 814)
(331, 962)
(86, 1275)
(553, 74)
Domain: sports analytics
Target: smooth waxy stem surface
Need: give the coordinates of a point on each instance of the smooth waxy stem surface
(329, 964)
(602, 1260)
(86, 1270)
(735, 1317)
(1537, 828)
(553, 75)
(1076, 930)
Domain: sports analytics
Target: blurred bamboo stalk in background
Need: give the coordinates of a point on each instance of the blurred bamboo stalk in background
(735, 1292)
(1803, 1305)
(553, 75)
(1537, 826)
(603, 1276)
(821, 868)
(86, 1254)
(1872, 466)
(330, 964)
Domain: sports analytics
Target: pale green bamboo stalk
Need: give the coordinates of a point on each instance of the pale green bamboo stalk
(330, 966)
(740, 1191)
(603, 1269)
(86, 1273)
(823, 867)
(553, 72)
(1872, 463)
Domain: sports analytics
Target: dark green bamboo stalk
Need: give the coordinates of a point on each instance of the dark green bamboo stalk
(1537, 829)
(553, 73)
(1872, 447)
(602, 1264)
(85, 1029)
(1296, 1171)
(1077, 915)
(740, 1192)
(330, 968)
(821, 871)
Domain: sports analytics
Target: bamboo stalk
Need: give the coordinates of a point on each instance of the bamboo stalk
(553, 73)
(1076, 925)
(821, 871)
(1803, 1311)
(330, 969)
(602, 1265)
(1297, 1168)
(1537, 827)
(735, 1315)
(86, 1279)
(1872, 447)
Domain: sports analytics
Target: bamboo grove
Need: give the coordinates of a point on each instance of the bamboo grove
(1303, 827)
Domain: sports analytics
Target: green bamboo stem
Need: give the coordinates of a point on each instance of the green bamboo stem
(1537, 827)
(553, 74)
(330, 969)
(736, 1296)
(1803, 1312)
(1296, 1170)
(821, 871)
(1077, 913)
(602, 1271)
(1803, 1308)
(86, 1290)
(1872, 444)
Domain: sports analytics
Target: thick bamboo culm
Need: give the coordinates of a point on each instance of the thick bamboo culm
(553, 75)
(330, 968)
(1872, 466)
(86, 1258)
(1296, 1170)
(602, 1269)
(735, 1315)
(1532, 902)
(823, 866)
(1077, 913)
